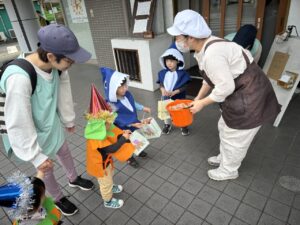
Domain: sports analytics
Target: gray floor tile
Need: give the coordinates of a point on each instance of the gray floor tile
(227, 203)
(81, 215)
(296, 203)
(145, 215)
(200, 208)
(159, 220)
(131, 206)
(235, 190)
(266, 219)
(143, 193)
(154, 182)
(102, 212)
(177, 178)
(167, 190)
(164, 172)
(218, 217)
(93, 201)
(282, 195)
(173, 162)
(261, 187)
(183, 198)
(91, 219)
(192, 186)
(172, 212)
(200, 175)
(161, 157)
(209, 194)
(236, 221)
(190, 219)
(157, 202)
(118, 217)
(131, 185)
(120, 178)
(255, 199)
(141, 175)
(131, 222)
(152, 165)
(244, 180)
(217, 184)
(248, 214)
(294, 218)
(186, 168)
(277, 210)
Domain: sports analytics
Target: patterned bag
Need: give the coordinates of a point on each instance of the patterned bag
(162, 112)
(151, 130)
(139, 142)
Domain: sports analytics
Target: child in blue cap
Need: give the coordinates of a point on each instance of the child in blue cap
(117, 94)
(173, 81)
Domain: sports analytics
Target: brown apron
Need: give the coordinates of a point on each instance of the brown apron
(253, 101)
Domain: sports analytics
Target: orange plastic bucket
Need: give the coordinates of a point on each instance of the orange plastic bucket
(180, 117)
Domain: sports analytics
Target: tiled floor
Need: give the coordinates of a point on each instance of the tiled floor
(171, 186)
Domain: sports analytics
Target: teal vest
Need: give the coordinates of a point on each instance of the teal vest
(44, 103)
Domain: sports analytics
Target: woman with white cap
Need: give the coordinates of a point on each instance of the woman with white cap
(234, 80)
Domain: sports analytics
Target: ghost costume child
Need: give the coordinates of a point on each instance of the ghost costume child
(126, 107)
(105, 141)
(173, 80)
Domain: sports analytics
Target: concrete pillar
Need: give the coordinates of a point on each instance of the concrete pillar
(24, 22)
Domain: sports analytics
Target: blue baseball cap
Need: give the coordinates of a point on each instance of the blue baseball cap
(58, 39)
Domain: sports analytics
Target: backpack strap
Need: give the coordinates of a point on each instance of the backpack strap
(28, 68)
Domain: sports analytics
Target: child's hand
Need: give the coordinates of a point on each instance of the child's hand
(164, 92)
(172, 93)
(127, 134)
(40, 174)
(137, 125)
(147, 109)
(147, 120)
(70, 129)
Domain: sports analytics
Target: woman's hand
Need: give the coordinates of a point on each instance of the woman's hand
(196, 106)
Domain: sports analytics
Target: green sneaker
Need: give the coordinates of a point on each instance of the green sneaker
(114, 203)
(117, 188)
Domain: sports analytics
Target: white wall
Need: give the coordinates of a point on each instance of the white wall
(149, 51)
(294, 15)
(81, 30)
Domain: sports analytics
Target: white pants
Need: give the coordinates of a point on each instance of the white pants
(234, 145)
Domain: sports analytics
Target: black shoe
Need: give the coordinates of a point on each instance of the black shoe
(185, 131)
(143, 154)
(82, 183)
(167, 128)
(132, 162)
(66, 207)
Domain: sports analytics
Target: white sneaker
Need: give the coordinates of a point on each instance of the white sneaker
(114, 203)
(214, 161)
(117, 188)
(218, 174)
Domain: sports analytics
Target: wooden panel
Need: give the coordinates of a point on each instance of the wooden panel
(259, 21)
(282, 16)
(205, 10)
(222, 18)
(239, 16)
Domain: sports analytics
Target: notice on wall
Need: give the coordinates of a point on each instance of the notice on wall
(140, 26)
(143, 8)
(77, 11)
(277, 65)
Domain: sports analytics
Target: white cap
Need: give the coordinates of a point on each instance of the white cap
(191, 23)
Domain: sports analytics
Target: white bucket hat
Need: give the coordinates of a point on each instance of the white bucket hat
(189, 22)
